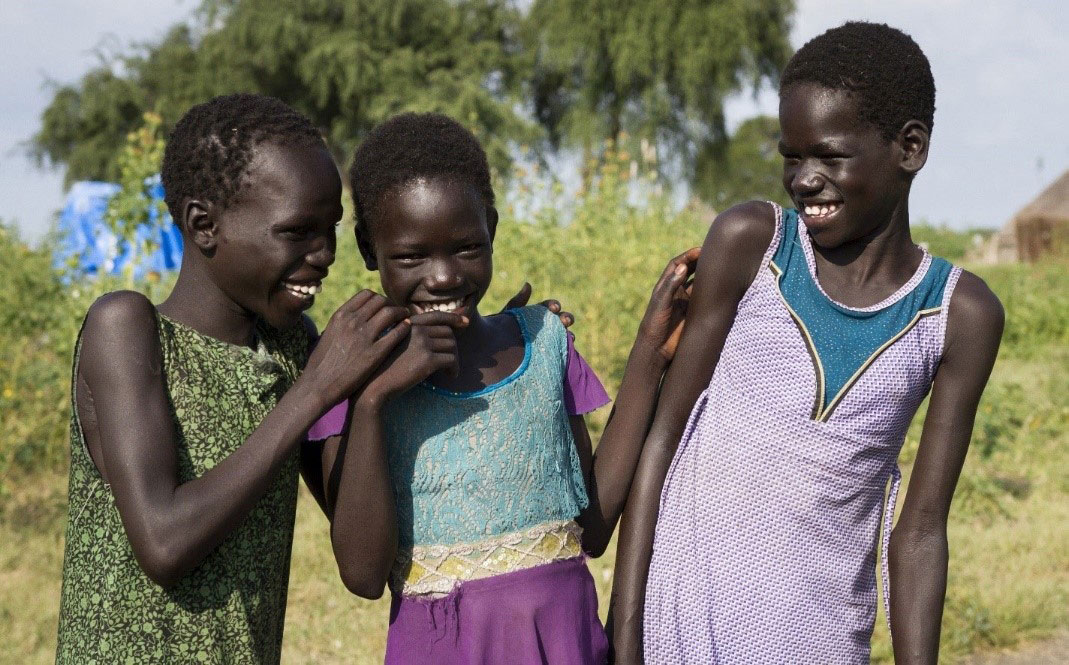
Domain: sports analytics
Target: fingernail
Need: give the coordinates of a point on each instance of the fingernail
(680, 269)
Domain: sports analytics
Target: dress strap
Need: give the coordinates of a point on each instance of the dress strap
(885, 545)
(777, 235)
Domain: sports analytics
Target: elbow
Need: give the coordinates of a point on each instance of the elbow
(918, 542)
(363, 584)
(161, 563)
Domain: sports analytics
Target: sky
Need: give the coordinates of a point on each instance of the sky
(1001, 72)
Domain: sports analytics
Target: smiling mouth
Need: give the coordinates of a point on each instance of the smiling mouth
(439, 305)
(821, 210)
(304, 291)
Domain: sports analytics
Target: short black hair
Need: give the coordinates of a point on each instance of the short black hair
(884, 69)
(410, 147)
(209, 151)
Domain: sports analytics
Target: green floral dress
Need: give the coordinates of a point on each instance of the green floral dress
(230, 609)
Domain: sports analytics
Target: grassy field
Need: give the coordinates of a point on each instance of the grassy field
(1009, 567)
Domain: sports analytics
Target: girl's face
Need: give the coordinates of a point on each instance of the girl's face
(843, 176)
(432, 244)
(274, 243)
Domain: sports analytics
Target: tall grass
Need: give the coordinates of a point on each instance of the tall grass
(1009, 566)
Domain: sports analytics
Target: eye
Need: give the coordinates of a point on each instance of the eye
(407, 259)
(472, 249)
(297, 233)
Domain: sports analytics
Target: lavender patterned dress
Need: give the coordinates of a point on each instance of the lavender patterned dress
(765, 547)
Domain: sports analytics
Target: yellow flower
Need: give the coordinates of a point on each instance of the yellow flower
(8, 392)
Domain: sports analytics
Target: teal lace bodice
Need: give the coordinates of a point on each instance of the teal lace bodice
(467, 466)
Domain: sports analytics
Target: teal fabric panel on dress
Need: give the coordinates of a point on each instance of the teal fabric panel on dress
(467, 466)
(846, 338)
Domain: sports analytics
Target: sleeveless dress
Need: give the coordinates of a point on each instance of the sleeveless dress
(765, 545)
(230, 608)
(487, 486)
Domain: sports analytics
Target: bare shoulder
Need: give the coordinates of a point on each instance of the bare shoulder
(733, 248)
(120, 328)
(746, 227)
(975, 320)
(120, 315)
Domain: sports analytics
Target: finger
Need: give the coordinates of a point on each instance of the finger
(567, 318)
(451, 319)
(392, 337)
(447, 362)
(688, 258)
(521, 297)
(437, 332)
(389, 315)
(358, 300)
(442, 345)
(551, 305)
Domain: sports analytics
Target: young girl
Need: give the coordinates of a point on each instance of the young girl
(811, 340)
(466, 479)
(188, 417)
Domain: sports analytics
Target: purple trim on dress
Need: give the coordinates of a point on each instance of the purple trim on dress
(331, 423)
(583, 391)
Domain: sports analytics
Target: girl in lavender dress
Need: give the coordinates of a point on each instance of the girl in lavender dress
(812, 338)
(462, 473)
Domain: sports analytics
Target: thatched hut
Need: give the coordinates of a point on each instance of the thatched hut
(1039, 229)
(1042, 226)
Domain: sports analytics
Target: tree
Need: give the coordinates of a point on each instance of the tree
(746, 166)
(654, 69)
(348, 65)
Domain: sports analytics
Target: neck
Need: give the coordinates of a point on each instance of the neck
(886, 251)
(199, 303)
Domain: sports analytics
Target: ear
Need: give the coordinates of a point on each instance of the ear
(367, 250)
(491, 222)
(200, 225)
(914, 141)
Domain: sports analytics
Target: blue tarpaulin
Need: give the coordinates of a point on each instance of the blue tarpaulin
(87, 247)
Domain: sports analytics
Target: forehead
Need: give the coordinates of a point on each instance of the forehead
(810, 112)
(426, 210)
(292, 175)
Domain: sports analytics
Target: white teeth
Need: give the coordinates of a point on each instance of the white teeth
(448, 306)
(821, 210)
(304, 291)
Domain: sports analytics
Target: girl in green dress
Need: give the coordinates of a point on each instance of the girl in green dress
(188, 417)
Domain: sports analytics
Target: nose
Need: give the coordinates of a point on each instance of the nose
(806, 180)
(443, 275)
(322, 253)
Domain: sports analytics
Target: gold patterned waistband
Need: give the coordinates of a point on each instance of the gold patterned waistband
(436, 570)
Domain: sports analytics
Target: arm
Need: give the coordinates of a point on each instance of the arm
(608, 473)
(918, 552)
(731, 256)
(311, 452)
(359, 493)
(173, 526)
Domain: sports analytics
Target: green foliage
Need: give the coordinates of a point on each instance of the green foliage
(577, 72)
(347, 65)
(746, 167)
(945, 242)
(653, 69)
(139, 164)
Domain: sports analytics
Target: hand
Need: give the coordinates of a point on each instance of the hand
(524, 295)
(662, 324)
(357, 339)
(431, 346)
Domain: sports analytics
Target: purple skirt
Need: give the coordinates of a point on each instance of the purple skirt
(539, 616)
